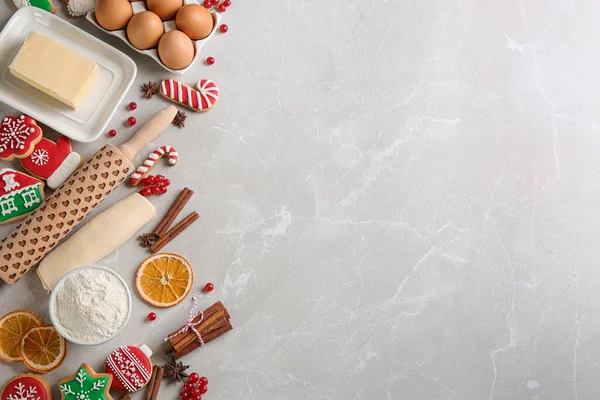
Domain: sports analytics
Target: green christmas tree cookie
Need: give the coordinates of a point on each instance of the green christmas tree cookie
(86, 384)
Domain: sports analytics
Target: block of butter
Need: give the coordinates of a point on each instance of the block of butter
(54, 69)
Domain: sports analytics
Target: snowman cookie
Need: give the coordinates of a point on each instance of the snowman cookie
(130, 368)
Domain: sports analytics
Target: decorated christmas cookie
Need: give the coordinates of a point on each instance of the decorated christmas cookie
(20, 194)
(130, 368)
(43, 4)
(79, 8)
(53, 162)
(202, 99)
(26, 387)
(156, 155)
(18, 137)
(86, 384)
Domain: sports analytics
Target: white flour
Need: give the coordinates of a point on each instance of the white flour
(91, 305)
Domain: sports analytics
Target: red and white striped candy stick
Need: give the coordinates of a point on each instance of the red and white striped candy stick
(152, 159)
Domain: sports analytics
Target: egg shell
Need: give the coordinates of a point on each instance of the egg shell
(195, 21)
(165, 9)
(144, 30)
(113, 14)
(176, 50)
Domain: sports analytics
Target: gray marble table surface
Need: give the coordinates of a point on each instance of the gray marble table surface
(398, 199)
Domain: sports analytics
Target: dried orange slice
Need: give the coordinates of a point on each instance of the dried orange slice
(12, 327)
(43, 349)
(164, 279)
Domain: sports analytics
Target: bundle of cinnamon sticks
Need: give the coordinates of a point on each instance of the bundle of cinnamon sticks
(215, 322)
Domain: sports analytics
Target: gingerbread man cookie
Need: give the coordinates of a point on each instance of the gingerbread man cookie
(201, 99)
(86, 384)
(18, 137)
(46, 5)
(130, 367)
(20, 194)
(26, 387)
(52, 162)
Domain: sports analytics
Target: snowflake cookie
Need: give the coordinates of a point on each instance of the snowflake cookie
(86, 384)
(18, 137)
(26, 387)
(130, 367)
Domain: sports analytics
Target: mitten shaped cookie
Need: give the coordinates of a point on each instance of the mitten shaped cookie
(52, 162)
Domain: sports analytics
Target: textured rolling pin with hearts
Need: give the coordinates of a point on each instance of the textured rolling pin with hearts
(87, 187)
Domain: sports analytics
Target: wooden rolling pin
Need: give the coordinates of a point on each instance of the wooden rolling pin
(43, 229)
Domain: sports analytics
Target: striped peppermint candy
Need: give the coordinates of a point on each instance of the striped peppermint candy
(202, 98)
(153, 157)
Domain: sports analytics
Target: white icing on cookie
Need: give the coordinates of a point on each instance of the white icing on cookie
(79, 8)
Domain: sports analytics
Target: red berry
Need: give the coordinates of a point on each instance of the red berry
(162, 189)
(206, 4)
(194, 377)
(214, 2)
(210, 60)
(196, 392)
(189, 386)
(151, 316)
(146, 192)
(166, 182)
(150, 180)
(203, 389)
(112, 133)
(131, 121)
(203, 380)
(227, 3)
(159, 179)
(223, 28)
(222, 8)
(155, 189)
(196, 397)
(184, 395)
(132, 106)
(209, 287)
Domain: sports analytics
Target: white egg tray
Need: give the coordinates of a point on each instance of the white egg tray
(138, 7)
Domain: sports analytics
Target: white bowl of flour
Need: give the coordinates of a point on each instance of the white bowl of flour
(90, 305)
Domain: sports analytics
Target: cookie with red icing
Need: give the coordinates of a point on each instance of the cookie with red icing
(52, 161)
(18, 137)
(130, 367)
(26, 387)
(202, 98)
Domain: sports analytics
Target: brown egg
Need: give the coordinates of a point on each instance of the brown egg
(195, 21)
(144, 30)
(165, 9)
(176, 50)
(113, 14)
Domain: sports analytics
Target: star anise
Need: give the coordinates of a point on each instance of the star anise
(149, 89)
(148, 239)
(179, 120)
(175, 370)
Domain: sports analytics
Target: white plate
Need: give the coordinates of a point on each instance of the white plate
(138, 7)
(86, 124)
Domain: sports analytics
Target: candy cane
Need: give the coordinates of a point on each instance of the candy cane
(156, 155)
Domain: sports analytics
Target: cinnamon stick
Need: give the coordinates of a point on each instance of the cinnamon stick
(173, 212)
(154, 384)
(173, 233)
(215, 322)
(208, 316)
(209, 337)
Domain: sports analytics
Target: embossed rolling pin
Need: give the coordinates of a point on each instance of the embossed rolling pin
(31, 240)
